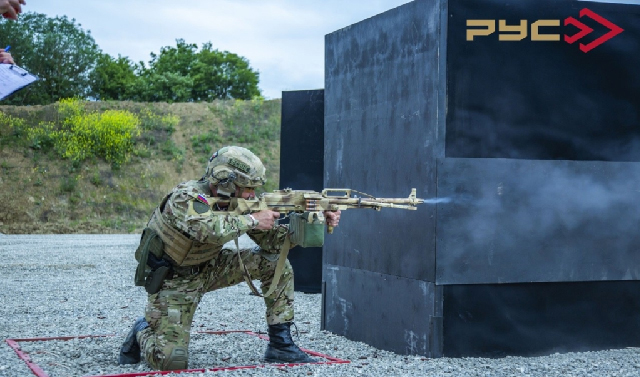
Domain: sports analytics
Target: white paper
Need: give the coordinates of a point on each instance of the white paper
(13, 78)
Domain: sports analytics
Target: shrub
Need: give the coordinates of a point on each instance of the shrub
(11, 126)
(78, 134)
(204, 144)
(154, 122)
(157, 130)
(43, 136)
(172, 152)
(68, 184)
(96, 178)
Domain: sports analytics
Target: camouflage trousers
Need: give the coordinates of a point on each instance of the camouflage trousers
(170, 311)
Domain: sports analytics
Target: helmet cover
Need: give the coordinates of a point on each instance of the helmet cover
(232, 167)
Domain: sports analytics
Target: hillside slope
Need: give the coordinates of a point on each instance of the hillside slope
(42, 193)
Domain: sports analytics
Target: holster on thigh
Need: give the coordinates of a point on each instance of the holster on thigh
(150, 245)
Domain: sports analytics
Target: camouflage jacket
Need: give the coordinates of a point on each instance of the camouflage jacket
(212, 228)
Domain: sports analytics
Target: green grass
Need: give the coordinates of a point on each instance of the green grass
(175, 142)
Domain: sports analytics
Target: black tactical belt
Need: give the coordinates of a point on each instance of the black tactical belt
(189, 270)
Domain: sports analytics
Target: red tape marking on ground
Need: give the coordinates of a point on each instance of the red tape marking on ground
(37, 370)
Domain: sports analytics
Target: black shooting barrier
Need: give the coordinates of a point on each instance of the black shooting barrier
(521, 120)
(301, 167)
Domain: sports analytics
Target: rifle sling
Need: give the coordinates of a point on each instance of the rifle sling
(282, 259)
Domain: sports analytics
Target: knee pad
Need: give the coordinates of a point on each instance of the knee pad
(271, 257)
(178, 359)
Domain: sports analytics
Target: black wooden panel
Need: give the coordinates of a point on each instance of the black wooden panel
(384, 311)
(302, 139)
(543, 100)
(382, 99)
(301, 167)
(540, 318)
(537, 221)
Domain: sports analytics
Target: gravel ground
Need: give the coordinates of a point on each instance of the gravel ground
(69, 285)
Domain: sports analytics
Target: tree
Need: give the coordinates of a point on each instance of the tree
(57, 50)
(202, 75)
(223, 75)
(163, 87)
(114, 79)
(167, 78)
(69, 64)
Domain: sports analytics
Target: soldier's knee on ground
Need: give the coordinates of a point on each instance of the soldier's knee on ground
(177, 359)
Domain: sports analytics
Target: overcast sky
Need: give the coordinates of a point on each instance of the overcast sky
(283, 40)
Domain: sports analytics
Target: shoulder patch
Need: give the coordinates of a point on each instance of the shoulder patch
(202, 199)
(200, 207)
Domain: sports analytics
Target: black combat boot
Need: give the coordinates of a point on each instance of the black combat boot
(281, 348)
(130, 350)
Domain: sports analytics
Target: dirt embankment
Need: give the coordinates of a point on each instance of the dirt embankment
(40, 193)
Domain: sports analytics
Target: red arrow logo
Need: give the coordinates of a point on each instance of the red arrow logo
(613, 30)
(584, 30)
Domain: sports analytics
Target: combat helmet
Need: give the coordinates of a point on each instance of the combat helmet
(232, 167)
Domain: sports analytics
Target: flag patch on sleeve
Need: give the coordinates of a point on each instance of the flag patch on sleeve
(201, 198)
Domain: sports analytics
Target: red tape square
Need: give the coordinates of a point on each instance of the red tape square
(39, 372)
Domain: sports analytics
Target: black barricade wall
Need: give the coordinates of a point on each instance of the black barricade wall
(516, 221)
(301, 167)
(384, 119)
(378, 139)
(530, 145)
(540, 318)
(543, 100)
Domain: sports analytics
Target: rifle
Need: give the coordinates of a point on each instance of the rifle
(305, 210)
(305, 207)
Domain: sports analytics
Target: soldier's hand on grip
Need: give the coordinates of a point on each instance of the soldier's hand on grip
(266, 219)
(333, 217)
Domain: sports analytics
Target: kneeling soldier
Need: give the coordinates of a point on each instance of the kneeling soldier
(181, 257)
